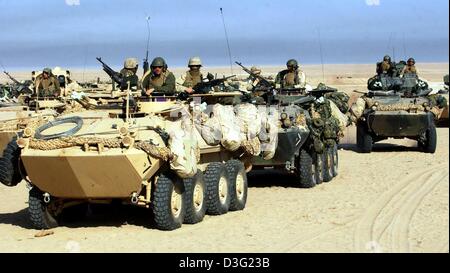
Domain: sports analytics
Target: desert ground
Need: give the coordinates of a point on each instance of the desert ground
(395, 199)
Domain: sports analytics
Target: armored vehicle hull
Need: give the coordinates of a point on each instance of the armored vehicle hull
(142, 159)
(394, 116)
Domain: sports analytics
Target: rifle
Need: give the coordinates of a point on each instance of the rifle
(259, 77)
(115, 76)
(11, 78)
(205, 87)
(21, 88)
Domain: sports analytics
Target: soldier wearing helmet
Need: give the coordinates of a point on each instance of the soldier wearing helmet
(47, 84)
(128, 74)
(410, 67)
(158, 78)
(292, 77)
(386, 66)
(193, 75)
(253, 82)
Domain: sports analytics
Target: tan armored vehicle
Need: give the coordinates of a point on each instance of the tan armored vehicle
(159, 157)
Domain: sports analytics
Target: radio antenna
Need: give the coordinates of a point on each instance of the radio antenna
(228, 43)
(321, 55)
(145, 66)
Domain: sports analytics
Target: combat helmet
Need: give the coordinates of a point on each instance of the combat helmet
(47, 70)
(387, 58)
(130, 63)
(411, 60)
(255, 70)
(158, 61)
(195, 61)
(293, 63)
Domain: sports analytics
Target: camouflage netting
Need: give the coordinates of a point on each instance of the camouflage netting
(436, 102)
(252, 146)
(325, 128)
(67, 142)
(162, 153)
(13, 125)
(340, 99)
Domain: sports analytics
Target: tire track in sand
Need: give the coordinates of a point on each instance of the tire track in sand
(413, 184)
(401, 224)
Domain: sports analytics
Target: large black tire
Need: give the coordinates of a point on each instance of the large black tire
(195, 196)
(9, 165)
(364, 140)
(307, 170)
(431, 140)
(335, 167)
(40, 216)
(239, 184)
(218, 188)
(169, 205)
(328, 165)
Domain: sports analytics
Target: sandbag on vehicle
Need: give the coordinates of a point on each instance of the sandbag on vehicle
(231, 137)
(210, 130)
(357, 108)
(184, 146)
(268, 134)
(249, 120)
(341, 117)
(208, 127)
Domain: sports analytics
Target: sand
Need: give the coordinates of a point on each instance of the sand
(395, 199)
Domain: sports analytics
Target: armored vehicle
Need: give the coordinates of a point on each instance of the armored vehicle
(308, 135)
(153, 157)
(400, 108)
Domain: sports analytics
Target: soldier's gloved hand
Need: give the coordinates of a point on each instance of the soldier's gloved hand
(190, 90)
(149, 91)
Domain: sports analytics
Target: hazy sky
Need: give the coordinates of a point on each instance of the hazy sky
(71, 33)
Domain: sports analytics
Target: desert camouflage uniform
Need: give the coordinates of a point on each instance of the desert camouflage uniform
(289, 79)
(164, 83)
(192, 78)
(409, 69)
(47, 87)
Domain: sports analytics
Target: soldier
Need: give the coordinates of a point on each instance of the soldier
(193, 76)
(158, 78)
(128, 74)
(410, 67)
(386, 66)
(292, 77)
(47, 84)
(252, 82)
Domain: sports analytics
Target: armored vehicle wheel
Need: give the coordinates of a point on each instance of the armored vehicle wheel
(40, 215)
(239, 184)
(307, 170)
(335, 168)
(430, 140)
(9, 165)
(169, 205)
(328, 165)
(217, 188)
(319, 161)
(364, 140)
(195, 195)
